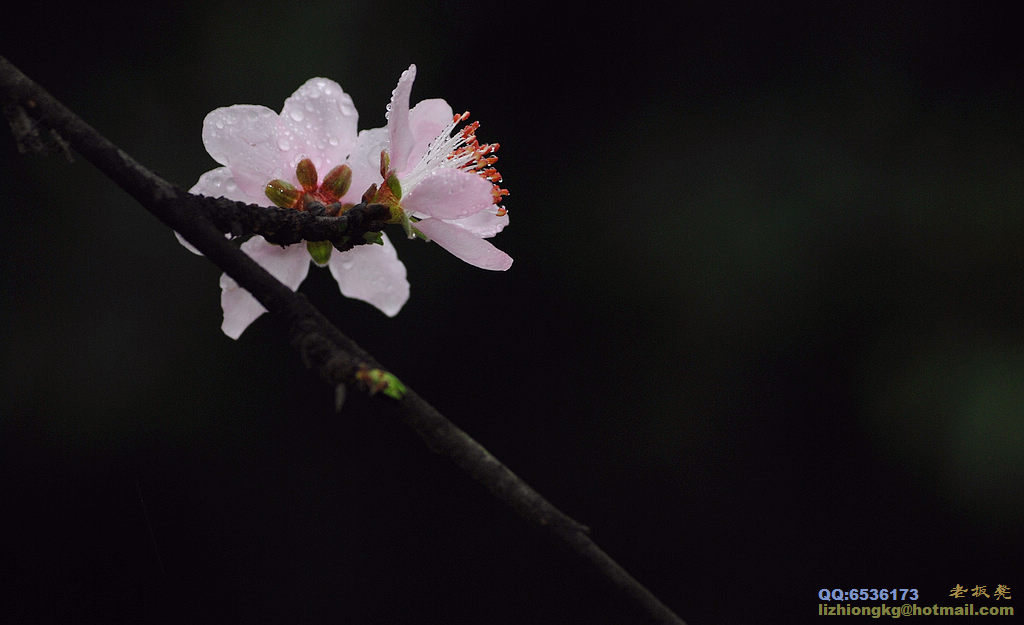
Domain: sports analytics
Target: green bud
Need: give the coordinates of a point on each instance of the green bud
(282, 193)
(319, 251)
(373, 237)
(380, 381)
(305, 171)
(337, 181)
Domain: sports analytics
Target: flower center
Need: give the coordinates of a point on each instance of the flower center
(327, 192)
(460, 149)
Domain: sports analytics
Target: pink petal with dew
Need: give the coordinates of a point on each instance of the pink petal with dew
(288, 264)
(465, 245)
(428, 119)
(400, 135)
(365, 162)
(372, 273)
(218, 183)
(449, 194)
(318, 122)
(244, 139)
(483, 224)
(240, 308)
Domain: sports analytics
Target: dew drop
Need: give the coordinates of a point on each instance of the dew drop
(283, 144)
(333, 141)
(296, 115)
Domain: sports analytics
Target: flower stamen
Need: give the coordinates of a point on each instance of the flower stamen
(462, 150)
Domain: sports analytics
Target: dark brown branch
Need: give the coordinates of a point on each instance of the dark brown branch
(285, 226)
(323, 347)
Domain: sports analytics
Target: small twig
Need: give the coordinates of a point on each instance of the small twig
(337, 358)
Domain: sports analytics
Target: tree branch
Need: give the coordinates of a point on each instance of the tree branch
(285, 226)
(338, 359)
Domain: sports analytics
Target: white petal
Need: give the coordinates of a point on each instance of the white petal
(318, 122)
(399, 130)
(450, 194)
(289, 265)
(244, 138)
(372, 273)
(465, 245)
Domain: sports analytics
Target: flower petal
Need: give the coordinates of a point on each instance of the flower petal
(450, 194)
(365, 162)
(465, 245)
(240, 308)
(373, 274)
(288, 264)
(428, 119)
(318, 122)
(243, 137)
(215, 183)
(220, 182)
(483, 224)
(400, 135)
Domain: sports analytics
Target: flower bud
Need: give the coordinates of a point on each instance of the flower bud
(337, 181)
(369, 194)
(305, 171)
(282, 193)
(319, 251)
(385, 163)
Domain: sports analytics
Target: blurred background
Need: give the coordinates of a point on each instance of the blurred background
(763, 333)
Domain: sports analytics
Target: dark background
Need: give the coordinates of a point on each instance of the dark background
(763, 332)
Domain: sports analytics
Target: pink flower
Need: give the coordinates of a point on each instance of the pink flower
(439, 179)
(315, 131)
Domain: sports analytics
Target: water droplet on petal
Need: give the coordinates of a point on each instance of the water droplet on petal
(296, 115)
(283, 144)
(333, 141)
